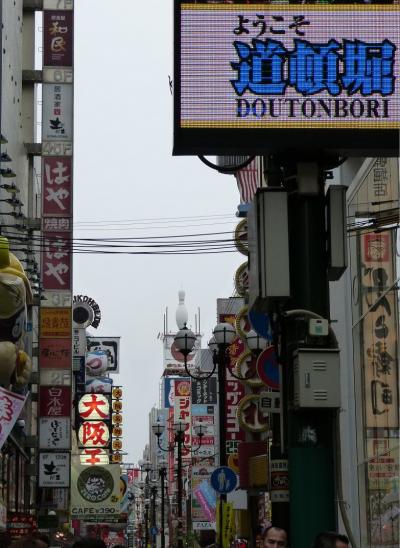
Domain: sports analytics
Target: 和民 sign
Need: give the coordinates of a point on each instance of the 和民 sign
(246, 74)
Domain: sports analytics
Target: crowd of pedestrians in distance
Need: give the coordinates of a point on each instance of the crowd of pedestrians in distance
(41, 540)
(272, 537)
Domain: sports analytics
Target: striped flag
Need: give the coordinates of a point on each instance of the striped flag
(248, 180)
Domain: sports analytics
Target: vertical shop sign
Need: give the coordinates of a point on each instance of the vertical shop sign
(57, 186)
(379, 190)
(182, 408)
(54, 353)
(55, 401)
(57, 112)
(55, 433)
(58, 38)
(235, 391)
(54, 469)
(379, 308)
(56, 323)
(379, 331)
(57, 260)
(204, 391)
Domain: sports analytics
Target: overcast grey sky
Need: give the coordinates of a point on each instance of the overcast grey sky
(124, 170)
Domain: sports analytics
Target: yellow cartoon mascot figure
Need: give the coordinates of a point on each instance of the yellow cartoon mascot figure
(15, 294)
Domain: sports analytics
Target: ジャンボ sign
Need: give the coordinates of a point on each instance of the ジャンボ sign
(276, 67)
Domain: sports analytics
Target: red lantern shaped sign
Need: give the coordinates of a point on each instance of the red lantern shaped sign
(94, 434)
(94, 407)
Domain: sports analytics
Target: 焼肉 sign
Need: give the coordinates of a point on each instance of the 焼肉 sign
(274, 68)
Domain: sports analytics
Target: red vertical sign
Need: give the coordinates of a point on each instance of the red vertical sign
(235, 391)
(57, 186)
(56, 260)
(57, 38)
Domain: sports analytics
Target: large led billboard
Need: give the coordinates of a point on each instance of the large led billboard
(256, 77)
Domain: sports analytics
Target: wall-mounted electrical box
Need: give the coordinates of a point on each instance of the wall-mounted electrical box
(316, 373)
(268, 240)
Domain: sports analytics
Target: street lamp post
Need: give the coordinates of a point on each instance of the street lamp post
(179, 429)
(224, 334)
(146, 521)
(145, 466)
(153, 491)
(163, 473)
(184, 341)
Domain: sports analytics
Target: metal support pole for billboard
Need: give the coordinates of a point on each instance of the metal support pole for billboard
(311, 459)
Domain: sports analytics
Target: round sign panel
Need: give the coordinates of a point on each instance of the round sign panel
(261, 324)
(94, 407)
(251, 417)
(94, 434)
(223, 480)
(268, 368)
(95, 484)
(242, 279)
(233, 462)
(241, 237)
(246, 369)
(242, 324)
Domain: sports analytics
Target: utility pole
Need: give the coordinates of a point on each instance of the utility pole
(292, 257)
(309, 432)
(163, 473)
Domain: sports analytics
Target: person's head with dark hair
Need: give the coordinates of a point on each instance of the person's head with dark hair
(275, 537)
(341, 541)
(89, 542)
(258, 536)
(78, 544)
(5, 539)
(329, 539)
(42, 537)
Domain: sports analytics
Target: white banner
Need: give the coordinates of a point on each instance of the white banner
(10, 408)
